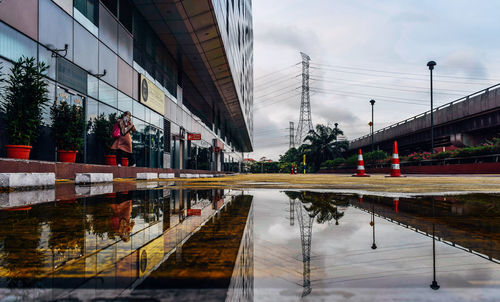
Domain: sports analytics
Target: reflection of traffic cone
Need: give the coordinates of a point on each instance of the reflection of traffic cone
(361, 166)
(360, 198)
(395, 169)
(295, 168)
(396, 204)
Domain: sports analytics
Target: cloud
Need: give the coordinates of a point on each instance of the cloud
(290, 36)
(468, 63)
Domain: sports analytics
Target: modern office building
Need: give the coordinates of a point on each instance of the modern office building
(184, 69)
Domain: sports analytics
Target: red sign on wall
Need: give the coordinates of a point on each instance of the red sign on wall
(193, 212)
(194, 136)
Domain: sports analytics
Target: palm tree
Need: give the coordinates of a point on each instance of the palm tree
(324, 144)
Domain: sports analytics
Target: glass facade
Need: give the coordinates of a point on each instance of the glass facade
(96, 53)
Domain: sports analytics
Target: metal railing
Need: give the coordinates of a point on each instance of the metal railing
(462, 99)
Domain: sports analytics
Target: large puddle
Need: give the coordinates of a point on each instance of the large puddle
(252, 245)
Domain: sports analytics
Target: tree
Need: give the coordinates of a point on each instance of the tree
(324, 145)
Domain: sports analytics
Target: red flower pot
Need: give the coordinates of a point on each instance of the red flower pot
(124, 161)
(66, 156)
(110, 160)
(18, 151)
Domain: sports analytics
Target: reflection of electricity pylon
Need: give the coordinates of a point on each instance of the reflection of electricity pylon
(292, 212)
(305, 224)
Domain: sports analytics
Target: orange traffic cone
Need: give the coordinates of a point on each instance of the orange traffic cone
(361, 166)
(395, 169)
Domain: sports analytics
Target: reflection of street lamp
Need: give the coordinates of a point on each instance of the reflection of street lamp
(434, 284)
(431, 65)
(372, 124)
(374, 246)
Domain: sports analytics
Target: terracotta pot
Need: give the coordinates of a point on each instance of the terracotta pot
(110, 160)
(18, 151)
(66, 156)
(124, 161)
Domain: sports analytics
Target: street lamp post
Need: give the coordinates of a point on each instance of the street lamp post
(373, 103)
(431, 65)
(374, 246)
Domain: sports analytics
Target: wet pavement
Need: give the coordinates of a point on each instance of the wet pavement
(152, 242)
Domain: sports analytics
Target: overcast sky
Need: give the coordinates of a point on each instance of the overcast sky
(363, 49)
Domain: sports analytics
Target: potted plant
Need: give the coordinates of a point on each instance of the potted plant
(25, 97)
(102, 127)
(68, 124)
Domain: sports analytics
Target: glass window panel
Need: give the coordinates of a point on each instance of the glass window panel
(55, 27)
(108, 28)
(124, 102)
(125, 45)
(125, 14)
(92, 109)
(108, 61)
(51, 94)
(86, 47)
(92, 86)
(88, 8)
(13, 44)
(139, 110)
(45, 55)
(107, 110)
(108, 94)
(147, 117)
(138, 143)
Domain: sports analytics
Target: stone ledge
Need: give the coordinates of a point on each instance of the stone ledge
(166, 175)
(91, 190)
(27, 180)
(26, 198)
(147, 176)
(88, 178)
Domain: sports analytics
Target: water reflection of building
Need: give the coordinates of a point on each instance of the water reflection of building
(106, 242)
(451, 218)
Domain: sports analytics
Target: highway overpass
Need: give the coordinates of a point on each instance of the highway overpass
(470, 120)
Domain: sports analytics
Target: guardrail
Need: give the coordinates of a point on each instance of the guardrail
(462, 99)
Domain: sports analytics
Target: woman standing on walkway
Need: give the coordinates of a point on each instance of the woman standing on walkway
(123, 144)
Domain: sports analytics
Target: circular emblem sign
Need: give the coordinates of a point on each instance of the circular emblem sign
(144, 90)
(144, 261)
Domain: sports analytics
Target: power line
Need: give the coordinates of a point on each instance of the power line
(385, 98)
(394, 77)
(387, 88)
(277, 101)
(404, 73)
(274, 72)
(289, 88)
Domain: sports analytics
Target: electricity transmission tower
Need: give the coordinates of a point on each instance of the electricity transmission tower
(305, 224)
(292, 143)
(305, 121)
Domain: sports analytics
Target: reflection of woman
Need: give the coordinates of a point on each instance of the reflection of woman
(123, 144)
(121, 222)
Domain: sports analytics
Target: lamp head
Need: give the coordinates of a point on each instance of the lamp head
(431, 65)
(372, 102)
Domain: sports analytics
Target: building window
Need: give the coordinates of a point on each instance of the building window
(89, 9)
(112, 6)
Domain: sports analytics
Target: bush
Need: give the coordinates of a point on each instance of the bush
(331, 163)
(442, 155)
(351, 161)
(419, 156)
(102, 127)
(68, 125)
(375, 157)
